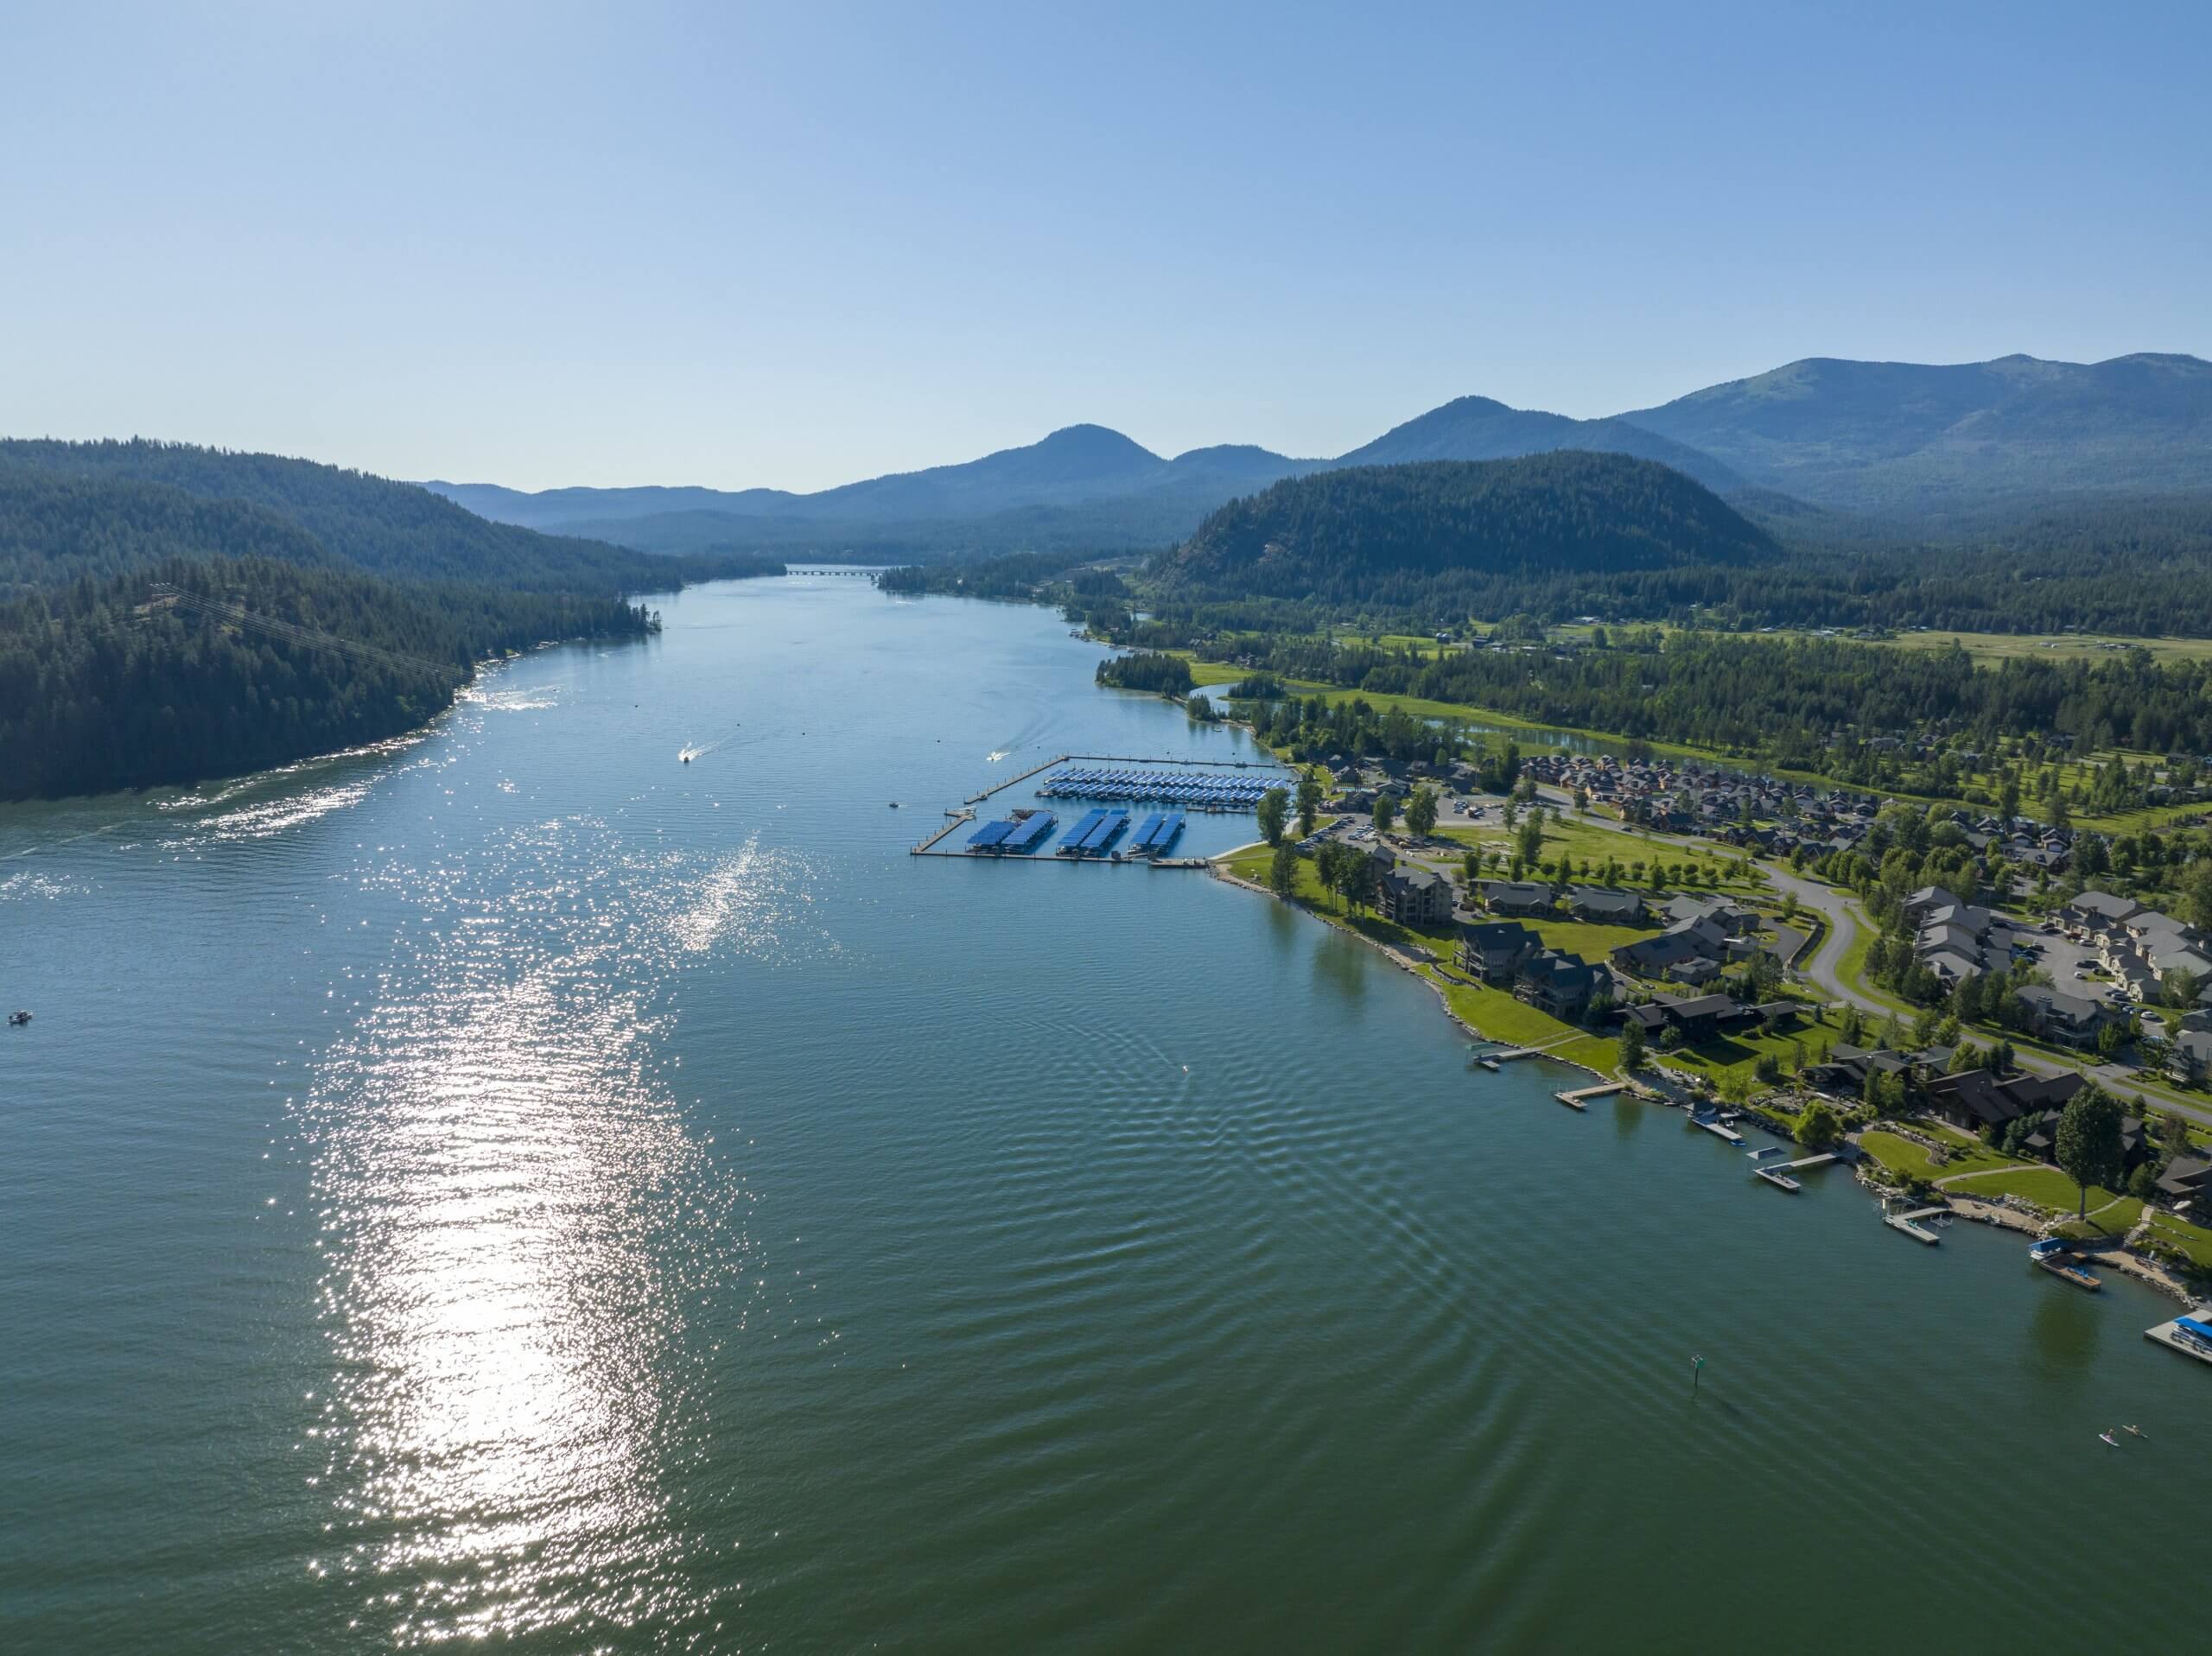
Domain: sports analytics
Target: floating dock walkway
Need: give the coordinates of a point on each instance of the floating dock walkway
(2191, 1334)
(958, 819)
(1776, 1178)
(1910, 1225)
(1579, 1098)
(1719, 1129)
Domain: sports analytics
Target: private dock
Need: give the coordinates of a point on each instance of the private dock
(1799, 1166)
(1579, 1098)
(2191, 1334)
(1719, 1129)
(1776, 1178)
(1910, 1225)
(2054, 1255)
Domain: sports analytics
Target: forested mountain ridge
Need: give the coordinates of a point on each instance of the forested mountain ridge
(100, 689)
(56, 528)
(1897, 437)
(103, 686)
(395, 529)
(1478, 428)
(1437, 532)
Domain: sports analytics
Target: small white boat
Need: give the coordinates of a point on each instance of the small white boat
(2109, 1438)
(18, 1019)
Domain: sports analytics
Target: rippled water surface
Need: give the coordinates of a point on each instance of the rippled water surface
(514, 1185)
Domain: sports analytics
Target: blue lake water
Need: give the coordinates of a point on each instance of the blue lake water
(518, 1185)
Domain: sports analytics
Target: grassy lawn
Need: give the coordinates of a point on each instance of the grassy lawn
(2109, 1225)
(2045, 1186)
(2193, 1241)
(1734, 1053)
(1902, 1154)
(1851, 970)
(1501, 1018)
(1587, 842)
(1591, 941)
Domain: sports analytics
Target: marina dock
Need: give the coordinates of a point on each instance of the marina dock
(956, 819)
(1776, 1178)
(2191, 1334)
(1181, 786)
(1719, 1129)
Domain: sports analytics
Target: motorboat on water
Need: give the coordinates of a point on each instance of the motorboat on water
(17, 1019)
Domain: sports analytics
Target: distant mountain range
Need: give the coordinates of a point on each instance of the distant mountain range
(1903, 443)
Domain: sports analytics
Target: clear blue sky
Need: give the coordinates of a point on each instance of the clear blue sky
(541, 245)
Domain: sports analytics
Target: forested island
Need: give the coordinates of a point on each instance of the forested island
(170, 613)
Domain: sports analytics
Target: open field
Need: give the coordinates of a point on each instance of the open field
(1989, 647)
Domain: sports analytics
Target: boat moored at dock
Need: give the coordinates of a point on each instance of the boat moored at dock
(2056, 1255)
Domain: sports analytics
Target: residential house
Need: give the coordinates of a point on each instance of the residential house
(2054, 1015)
(1560, 984)
(2099, 910)
(1413, 896)
(1521, 896)
(2186, 1182)
(1699, 1019)
(1701, 939)
(1605, 907)
(1924, 901)
(1844, 1071)
(1492, 950)
(1977, 1099)
(2191, 1054)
